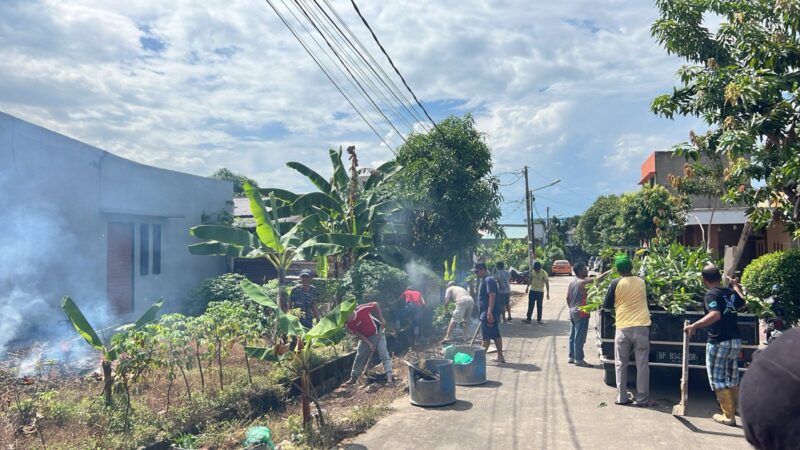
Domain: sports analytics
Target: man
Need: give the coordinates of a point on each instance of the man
(366, 323)
(579, 320)
(628, 297)
(724, 340)
(768, 402)
(491, 310)
(503, 278)
(535, 290)
(304, 297)
(463, 311)
(414, 302)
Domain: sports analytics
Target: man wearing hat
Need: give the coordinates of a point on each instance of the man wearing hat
(627, 295)
(304, 297)
(491, 310)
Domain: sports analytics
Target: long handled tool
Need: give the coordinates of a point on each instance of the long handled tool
(426, 373)
(680, 408)
(477, 329)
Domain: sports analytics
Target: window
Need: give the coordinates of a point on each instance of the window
(144, 249)
(156, 249)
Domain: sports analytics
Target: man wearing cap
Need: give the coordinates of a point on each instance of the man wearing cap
(627, 295)
(491, 310)
(464, 305)
(724, 340)
(304, 297)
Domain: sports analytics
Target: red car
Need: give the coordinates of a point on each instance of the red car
(561, 267)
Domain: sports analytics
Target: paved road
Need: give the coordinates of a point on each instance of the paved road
(538, 401)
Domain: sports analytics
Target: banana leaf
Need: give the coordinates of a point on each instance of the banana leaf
(265, 228)
(315, 178)
(81, 325)
(214, 248)
(225, 234)
(257, 294)
(332, 322)
(321, 200)
(340, 177)
(280, 194)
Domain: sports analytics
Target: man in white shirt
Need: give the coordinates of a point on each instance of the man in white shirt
(464, 305)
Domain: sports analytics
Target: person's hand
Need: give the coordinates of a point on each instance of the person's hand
(689, 329)
(383, 323)
(548, 296)
(489, 318)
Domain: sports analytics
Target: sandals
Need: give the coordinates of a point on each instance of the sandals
(498, 360)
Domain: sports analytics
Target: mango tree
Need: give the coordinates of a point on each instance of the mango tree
(328, 331)
(110, 349)
(277, 238)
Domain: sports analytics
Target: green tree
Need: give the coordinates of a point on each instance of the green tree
(238, 180)
(652, 212)
(446, 173)
(743, 82)
(597, 227)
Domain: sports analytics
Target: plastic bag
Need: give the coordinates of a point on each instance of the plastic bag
(258, 436)
(462, 358)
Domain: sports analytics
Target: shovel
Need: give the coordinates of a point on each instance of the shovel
(680, 408)
(427, 373)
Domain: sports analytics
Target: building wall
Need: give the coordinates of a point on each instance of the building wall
(77, 190)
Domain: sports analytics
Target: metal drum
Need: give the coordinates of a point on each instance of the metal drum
(470, 374)
(439, 392)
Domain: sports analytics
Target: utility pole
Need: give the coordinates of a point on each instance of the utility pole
(547, 225)
(528, 220)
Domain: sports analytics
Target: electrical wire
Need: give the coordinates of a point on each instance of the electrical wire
(360, 86)
(383, 77)
(328, 75)
(358, 68)
(383, 50)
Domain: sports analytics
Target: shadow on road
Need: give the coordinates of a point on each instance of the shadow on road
(694, 429)
(488, 384)
(519, 366)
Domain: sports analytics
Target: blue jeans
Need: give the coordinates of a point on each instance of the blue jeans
(577, 337)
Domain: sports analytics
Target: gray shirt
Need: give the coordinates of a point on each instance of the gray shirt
(576, 297)
(504, 281)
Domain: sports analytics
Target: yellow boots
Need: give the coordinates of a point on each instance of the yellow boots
(727, 401)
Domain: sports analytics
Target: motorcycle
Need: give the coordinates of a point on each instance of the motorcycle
(775, 326)
(520, 277)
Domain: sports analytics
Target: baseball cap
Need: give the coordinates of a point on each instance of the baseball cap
(479, 266)
(305, 273)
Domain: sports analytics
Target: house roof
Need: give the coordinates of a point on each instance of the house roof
(727, 216)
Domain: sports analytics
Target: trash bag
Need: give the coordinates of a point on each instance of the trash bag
(258, 436)
(462, 358)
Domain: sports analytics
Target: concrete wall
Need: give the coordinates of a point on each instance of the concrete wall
(76, 190)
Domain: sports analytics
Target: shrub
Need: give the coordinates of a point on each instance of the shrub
(776, 268)
(217, 289)
(373, 280)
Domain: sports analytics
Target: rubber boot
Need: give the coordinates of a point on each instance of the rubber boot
(727, 403)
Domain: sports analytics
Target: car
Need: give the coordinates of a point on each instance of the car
(561, 267)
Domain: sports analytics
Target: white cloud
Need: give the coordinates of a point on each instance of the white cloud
(193, 86)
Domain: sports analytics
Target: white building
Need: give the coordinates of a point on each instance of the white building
(108, 231)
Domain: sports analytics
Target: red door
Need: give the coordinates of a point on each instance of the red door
(119, 278)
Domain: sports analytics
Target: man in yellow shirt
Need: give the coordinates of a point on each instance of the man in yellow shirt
(628, 296)
(535, 292)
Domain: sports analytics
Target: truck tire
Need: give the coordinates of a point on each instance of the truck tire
(609, 375)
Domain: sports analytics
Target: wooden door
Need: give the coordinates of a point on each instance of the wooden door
(119, 278)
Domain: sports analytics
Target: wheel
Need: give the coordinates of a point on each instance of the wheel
(609, 375)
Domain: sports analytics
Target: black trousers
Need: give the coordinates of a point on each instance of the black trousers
(535, 298)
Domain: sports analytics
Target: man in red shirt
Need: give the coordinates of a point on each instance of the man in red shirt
(366, 322)
(413, 310)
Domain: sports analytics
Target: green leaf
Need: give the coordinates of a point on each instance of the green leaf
(315, 178)
(265, 227)
(340, 177)
(214, 248)
(257, 294)
(262, 353)
(332, 322)
(82, 326)
(225, 234)
(317, 200)
(149, 315)
(280, 194)
(322, 266)
(289, 324)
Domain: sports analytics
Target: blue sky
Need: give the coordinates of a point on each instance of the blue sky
(563, 87)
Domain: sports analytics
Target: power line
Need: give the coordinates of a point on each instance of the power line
(337, 39)
(327, 75)
(384, 78)
(391, 124)
(383, 50)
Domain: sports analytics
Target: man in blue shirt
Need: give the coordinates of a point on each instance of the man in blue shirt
(491, 310)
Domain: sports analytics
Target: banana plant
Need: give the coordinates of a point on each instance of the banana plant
(109, 349)
(450, 270)
(328, 331)
(344, 206)
(272, 240)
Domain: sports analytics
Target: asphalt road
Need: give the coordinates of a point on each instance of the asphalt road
(539, 401)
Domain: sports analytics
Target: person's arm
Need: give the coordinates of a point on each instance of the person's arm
(588, 280)
(734, 283)
(489, 316)
(547, 285)
(530, 280)
(422, 299)
(710, 318)
(610, 296)
(447, 294)
(379, 314)
(365, 339)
